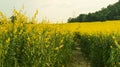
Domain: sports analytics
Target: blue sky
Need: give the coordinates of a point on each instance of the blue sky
(54, 10)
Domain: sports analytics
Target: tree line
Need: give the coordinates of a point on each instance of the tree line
(111, 12)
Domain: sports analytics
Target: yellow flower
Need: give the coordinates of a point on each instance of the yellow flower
(8, 40)
(111, 47)
(116, 43)
(63, 66)
(61, 46)
(113, 37)
(20, 32)
(61, 41)
(47, 39)
(21, 24)
(46, 46)
(5, 31)
(57, 48)
(28, 39)
(119, 63)
(15, 31)
(47, 64)
(114, 65)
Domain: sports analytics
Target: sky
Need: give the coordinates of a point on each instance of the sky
(54, 10)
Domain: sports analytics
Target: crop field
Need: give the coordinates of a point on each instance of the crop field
(26, 43)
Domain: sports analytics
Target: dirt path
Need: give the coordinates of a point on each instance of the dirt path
(78, 60)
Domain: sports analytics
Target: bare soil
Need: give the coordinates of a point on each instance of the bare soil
(78, 60)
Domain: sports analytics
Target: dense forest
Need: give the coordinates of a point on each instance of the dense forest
(111, 12)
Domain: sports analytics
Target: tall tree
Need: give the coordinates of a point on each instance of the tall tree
(112, 12)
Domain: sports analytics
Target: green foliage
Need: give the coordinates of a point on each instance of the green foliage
(23, 44)
(100, 49)
(112, 12)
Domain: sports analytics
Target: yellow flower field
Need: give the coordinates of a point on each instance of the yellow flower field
(27, 43)
(94, 27)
